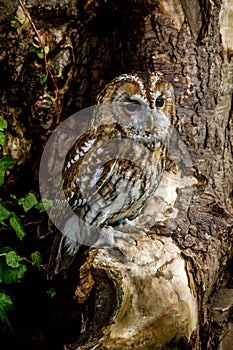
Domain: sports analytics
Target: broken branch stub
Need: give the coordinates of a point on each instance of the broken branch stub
(152, 295)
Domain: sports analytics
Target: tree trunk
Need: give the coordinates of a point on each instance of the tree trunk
(166, 292)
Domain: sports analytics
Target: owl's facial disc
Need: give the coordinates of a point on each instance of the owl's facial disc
(142, 122)
(143, 108)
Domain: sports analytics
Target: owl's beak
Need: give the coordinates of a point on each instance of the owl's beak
(152, 121)
(149, 121)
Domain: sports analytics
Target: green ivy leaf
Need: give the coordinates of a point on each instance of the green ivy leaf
(4, 214)
(36, 259)
(5, 163)
(3, 123)
(52, 292)
(15, 22)
(13, 259)
(4, 250)
(59, 74)
(40, 54)
(21, 15)
(17, 225)
(46, 50)
(42, 78)
(14, 275)
(20, 22)
(38, 51)
(28, 202)
(2, 266)
(6, 305)
(2, 138)
(51, 99)
(44, 205)
(24, 26)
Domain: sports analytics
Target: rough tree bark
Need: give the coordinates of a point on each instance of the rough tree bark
(163, 294)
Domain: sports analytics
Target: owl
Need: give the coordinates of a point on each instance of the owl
(114, 167)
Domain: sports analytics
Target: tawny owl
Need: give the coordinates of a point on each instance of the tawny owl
(114, 167)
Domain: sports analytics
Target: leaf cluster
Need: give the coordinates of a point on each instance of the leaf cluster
(13, 266)
(20, 22)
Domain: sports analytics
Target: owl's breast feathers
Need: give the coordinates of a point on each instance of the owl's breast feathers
(108, 176)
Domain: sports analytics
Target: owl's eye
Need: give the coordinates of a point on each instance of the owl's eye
(160, 102)
(132, 107)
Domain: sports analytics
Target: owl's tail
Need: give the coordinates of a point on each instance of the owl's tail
(60, 257)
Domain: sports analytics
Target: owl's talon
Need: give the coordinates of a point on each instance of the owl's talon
(128, 238)
(133, 229)
(118, 253)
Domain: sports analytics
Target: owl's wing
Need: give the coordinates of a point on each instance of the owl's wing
(108, 177)
(65, 209)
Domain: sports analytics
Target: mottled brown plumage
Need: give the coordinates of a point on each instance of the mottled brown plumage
(115, 166)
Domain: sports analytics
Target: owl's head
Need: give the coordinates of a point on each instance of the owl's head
(142, 103)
